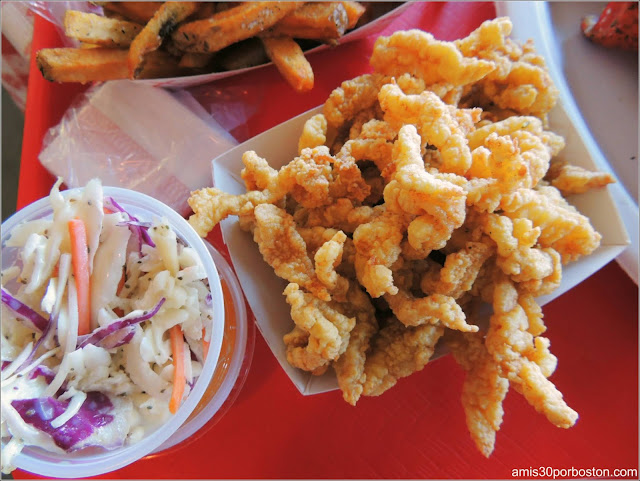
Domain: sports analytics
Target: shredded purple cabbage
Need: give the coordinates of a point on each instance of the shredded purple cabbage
(93, 414)
(4, 364)
(100, 337)
(24, 311)
(137, 228)
(44, 371)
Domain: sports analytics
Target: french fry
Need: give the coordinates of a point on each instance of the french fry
(99, 64)
(288, 57)
(230, 26)
(243, 54)
(139, 12)
(195, 60)
(354, 10)
(82, 64)
(316, 20)
(95, 29)
(160, 64)
(150, 37)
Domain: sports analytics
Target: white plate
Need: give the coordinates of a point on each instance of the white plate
(599, 90)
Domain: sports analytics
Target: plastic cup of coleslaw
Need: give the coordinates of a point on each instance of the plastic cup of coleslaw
(94, 461)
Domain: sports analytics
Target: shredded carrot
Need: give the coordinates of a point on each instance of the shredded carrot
(179, 380)
(205, 344)
(80, 263)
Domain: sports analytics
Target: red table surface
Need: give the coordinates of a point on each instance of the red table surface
(417, 429)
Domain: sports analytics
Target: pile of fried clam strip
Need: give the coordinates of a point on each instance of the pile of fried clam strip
(423, 191)
(87, 359)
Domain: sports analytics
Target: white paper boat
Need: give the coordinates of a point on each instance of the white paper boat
(264, 290)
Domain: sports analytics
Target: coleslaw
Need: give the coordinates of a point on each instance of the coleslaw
(148, 313)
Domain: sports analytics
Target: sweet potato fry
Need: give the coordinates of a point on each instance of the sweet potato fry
(98, 30)
(288, 57)
(139, 12)
(82, 64)
(150, 38)
(315, 20)
(354, 10)
(230, 26)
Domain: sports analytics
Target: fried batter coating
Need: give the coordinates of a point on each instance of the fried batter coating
(436, 309)
(436, 125)
(349, 366)
(459, 271)
(521, 80)
(398, 351)
(314, 133)
(327, 258)
(328, 330)
(377, 245)
(572, 179)
(563, 228)
(421, 55)
(342, 215)
(308, 176)
(437, 204)
(511, 125)
(483, 390)
(283, 249)
(513, 348)
(350, 98)
(537, 270)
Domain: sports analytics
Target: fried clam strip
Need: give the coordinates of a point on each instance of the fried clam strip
(229, 26)
(349, 182)
(164, 20)
(351, 97)
(349, 366)
(523, 359)
(421, 55)
(325, 328)
(483, 389)
(435, 309)
(554, 143)
(342, 215)
(314, 133)
(536, 270)
(459, 272)
(520, 80)
(327, 258)
(563, 228)
(284, 249)
(503, 165)
(436, 206)
(377, 245)
(396, 352)
(435, 122)
(306, 177)
(572, 179)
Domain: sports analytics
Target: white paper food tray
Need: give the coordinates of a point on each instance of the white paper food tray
(263, 288)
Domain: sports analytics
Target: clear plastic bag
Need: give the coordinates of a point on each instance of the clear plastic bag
(137, 137)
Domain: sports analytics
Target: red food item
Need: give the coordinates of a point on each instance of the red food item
(617, 26)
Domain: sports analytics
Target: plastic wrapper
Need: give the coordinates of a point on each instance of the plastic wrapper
(137, 137)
